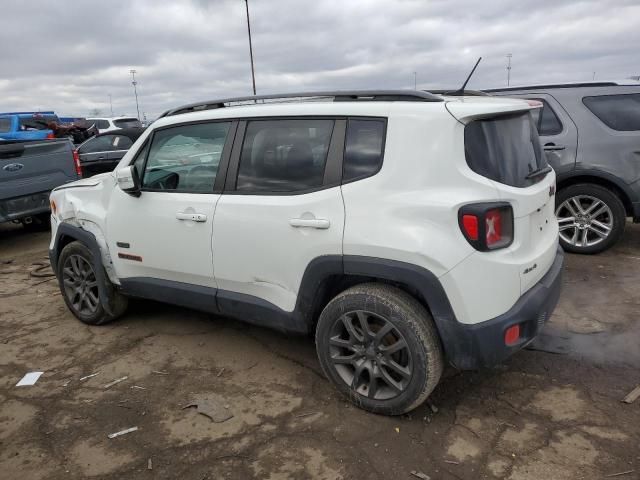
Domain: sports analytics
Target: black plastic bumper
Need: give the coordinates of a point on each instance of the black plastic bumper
(482, 345)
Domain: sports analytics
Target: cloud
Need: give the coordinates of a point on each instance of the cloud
(71, 58)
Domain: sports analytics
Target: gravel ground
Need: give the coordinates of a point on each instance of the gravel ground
(540, 415)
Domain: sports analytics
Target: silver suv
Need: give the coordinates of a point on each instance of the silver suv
(591, 133)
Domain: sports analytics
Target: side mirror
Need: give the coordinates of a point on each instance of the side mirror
(128, 181)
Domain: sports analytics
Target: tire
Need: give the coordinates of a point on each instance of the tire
(380, 386)
(80, 289)
(574, 206)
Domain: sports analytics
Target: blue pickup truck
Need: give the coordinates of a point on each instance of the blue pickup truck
(27, 125)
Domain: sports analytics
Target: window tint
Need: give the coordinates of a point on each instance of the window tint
(505, 149)
(284, 155)
(120, 142)
(545, 119)
(97, 144)
(100, 124)
(185, 158)
(127, 123)
(5, 124)
(363, 149)
(619, 112)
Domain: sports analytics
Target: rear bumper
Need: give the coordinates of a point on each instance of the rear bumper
(24, 206)
(482, 345)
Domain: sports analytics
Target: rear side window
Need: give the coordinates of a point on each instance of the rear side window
(619, 112)
(185, 158)
(5, 124)
(120, 142)
(505, 149)
(284, 155)
(363, 150)
(127, 123)
(97, 144)
(546, 120)
(100, 124)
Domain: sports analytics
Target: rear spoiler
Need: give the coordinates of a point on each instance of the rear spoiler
(466, 111)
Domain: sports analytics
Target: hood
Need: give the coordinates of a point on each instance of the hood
(85, 182)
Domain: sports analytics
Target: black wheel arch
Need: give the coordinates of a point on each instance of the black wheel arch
(65, 234)
(603, 179)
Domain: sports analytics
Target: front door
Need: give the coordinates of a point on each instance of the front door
(165, 233)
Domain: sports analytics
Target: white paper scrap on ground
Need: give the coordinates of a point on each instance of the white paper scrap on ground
(29, 379)
(122, 432)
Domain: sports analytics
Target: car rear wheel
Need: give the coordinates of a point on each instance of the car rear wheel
(591, 218)
(380, 348)
(80, 289)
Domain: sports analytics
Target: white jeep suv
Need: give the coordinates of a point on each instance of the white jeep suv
(405, 229)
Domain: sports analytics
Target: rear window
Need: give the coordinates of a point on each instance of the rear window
(619, 112)
(5, 124)
(127, 123)
(100, 124)
(37, 122)
(505, 149)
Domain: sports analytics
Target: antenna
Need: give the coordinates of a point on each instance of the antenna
(460, 91)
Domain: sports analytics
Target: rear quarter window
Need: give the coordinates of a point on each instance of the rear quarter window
(618, 112)
(364, 148)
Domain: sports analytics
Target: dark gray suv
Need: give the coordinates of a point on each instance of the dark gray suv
(591, 133)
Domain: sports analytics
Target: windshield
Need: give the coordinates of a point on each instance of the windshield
(505, 149)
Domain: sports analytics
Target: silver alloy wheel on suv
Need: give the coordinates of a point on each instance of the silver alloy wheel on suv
(584, 220)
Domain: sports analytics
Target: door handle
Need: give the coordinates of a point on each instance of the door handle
(552, 147)
(320, 223)
(194, 217)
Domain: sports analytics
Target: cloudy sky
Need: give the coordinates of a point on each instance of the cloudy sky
(69, 56)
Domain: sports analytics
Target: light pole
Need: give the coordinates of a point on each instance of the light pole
(509, 55)
(253, 73)
(415, 80)
(111, 104)
(135, 90)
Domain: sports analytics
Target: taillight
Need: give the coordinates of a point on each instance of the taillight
(487, 226)
(50, 136)
(512, 335)
(76, 162)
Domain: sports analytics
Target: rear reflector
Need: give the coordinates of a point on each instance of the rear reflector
(512, 335)
(493, 220)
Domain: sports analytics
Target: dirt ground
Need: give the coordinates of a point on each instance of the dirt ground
(541, 415)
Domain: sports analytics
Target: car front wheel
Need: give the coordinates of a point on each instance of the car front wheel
(380, 348)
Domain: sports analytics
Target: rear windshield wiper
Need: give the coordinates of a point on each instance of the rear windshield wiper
(539, 172)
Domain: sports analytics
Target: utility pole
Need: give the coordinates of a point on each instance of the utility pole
(509, 55)
(253, 73)
(415, 80)
(594, 76)
(135, 90)
(111, 104)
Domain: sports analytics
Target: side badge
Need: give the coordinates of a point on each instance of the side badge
(552, 190)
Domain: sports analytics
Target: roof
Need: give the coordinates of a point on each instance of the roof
(547, 86)
(121, 117)
(133, 133)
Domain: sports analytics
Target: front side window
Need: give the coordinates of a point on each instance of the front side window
(284, 155)
(97, 144)
(363, 149)
(120, 142)
(185, 158)
(545, 119)
(619, 112)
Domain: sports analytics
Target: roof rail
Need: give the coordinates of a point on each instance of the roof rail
(458, 93)
(338, 96)
(553, 85)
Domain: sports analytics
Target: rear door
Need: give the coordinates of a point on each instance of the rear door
(282, 208)
(557, 131)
